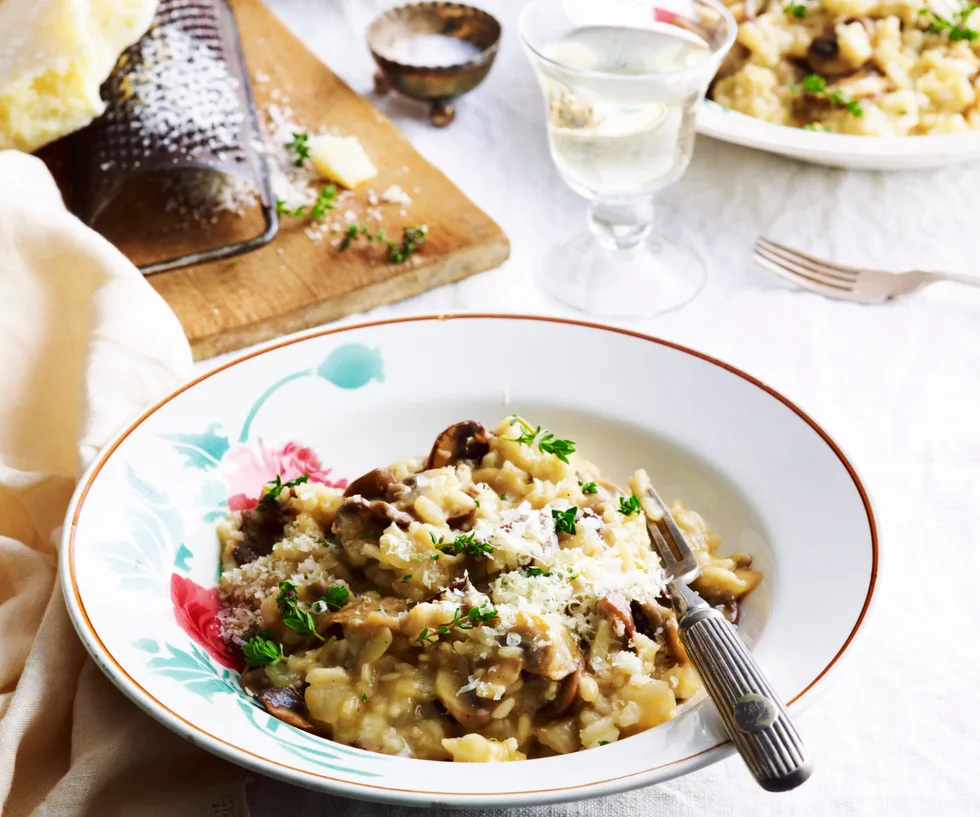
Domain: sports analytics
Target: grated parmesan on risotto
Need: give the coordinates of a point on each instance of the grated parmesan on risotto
(864, 67)
(495, 601)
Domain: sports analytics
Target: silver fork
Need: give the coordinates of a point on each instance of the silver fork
(756, 719)
(866, 286)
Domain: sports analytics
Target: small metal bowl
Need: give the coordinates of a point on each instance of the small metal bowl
(436, 84)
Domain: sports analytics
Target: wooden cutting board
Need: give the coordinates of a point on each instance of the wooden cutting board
(294, 283)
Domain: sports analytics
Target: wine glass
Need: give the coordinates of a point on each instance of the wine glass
(622, 82)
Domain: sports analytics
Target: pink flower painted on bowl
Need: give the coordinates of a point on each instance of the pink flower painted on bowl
(247, 470)
(196, 610)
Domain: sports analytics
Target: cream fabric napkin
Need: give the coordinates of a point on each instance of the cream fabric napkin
(85, 343)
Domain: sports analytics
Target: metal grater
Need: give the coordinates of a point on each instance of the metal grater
(180, 97)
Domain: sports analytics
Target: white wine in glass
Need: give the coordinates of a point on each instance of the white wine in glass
(620, 102)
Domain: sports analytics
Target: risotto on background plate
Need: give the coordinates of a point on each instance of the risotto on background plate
(862, 67)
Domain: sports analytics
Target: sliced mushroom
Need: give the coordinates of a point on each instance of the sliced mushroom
(367, 615)
(467, 440)
(357, 514)
(615, 607)
(824, 57)
(372, 485)
(287, 704)
(661, 621)
(262, 528)
(466, 709)
(549, 649)
(567, 693)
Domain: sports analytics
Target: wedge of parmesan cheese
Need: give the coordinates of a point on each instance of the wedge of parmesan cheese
(341, 159)
(54, 56)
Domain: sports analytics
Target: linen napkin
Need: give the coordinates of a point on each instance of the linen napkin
(85, 343)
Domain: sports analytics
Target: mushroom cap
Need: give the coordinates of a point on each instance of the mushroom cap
(467, 440)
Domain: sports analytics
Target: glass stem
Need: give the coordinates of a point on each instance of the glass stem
(621, 225)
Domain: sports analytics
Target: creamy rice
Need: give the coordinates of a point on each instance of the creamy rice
(491, 603)
(890, 67)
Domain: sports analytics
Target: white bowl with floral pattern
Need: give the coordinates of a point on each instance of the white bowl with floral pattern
(139, 556)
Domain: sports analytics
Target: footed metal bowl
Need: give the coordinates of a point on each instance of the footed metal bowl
(402, 43)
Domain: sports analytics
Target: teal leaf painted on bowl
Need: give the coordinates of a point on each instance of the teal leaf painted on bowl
(311, 748)
(352, 366)
(194, 670)
(201, 450)
(181, 561)
(141, 558)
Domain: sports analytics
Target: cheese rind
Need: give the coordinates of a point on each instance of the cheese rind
(341, 159)
(55, 56)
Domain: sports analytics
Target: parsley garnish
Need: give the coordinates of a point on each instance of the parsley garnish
(406, 577)
(298, 620)
(565, 520)
(483, 614)
(364, 698)
(817, 86)
(269, 500)
(544, 439)
(412, 238)
(466, 543)
(335, 598)
(324, 201)
(798, 10)
(588, 487)
(283, 210)
(603, 743)
(629, 505)
(260, 651)
(424, 638)
(955, 29)
(398, 251)
(537, 571)
(299, 147)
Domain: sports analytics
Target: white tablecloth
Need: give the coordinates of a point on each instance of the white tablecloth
(897, 731)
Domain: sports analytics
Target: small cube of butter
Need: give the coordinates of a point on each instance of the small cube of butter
(341, 159)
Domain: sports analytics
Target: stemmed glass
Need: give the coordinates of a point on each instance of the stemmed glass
(622, 82)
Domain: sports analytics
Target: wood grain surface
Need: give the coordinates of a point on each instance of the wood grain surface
(294, 283)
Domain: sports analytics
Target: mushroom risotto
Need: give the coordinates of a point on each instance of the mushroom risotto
(867, 67)
(495, 601)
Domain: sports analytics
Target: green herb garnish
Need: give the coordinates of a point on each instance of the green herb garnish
(955, 28)
(483, 614)
(260, 651)
(398, 251)
(798, 10)
(300, 621)
(565, 520)
(544, 440)
(412, 238)
(364, 698)
(424, 638)
(277, 485)
(331, 601)
(324, 201)
(537, 571)
(466, 543)
(817, 86)
(602, 743)
(283, 210)
(588, 487)
(406, 577)
(629, 505)
(299, 147)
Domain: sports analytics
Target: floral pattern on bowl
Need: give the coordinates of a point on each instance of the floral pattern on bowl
(140, 557)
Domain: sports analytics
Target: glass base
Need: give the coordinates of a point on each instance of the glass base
(653, 277)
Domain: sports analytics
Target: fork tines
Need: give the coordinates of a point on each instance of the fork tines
(804, 269)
